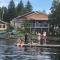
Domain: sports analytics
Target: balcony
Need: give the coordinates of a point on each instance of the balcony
(37, 26)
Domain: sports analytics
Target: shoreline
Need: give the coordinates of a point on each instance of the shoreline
(53, 38)
(49, 38)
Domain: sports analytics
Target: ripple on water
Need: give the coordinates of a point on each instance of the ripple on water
(8, 51)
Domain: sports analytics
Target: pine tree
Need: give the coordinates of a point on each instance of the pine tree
(0, 13)
(20, 8)
(2, 10)
(54, 17)
(11, 11)
(4, 14)
(28, 7)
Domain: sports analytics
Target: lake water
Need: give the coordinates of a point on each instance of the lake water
(9, 51)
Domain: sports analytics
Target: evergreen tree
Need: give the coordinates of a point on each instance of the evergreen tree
(28, 7)
(54, 17)
(11, 11)
(20, 8)
(0, 13)
(4, 14)
(2, 10)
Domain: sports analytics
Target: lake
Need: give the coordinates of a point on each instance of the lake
(9, 51)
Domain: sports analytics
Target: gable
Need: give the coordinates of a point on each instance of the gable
(33, 16)
(2, 22)
(36, 16)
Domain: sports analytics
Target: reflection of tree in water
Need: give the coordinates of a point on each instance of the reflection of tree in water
(8, 58)
(8, 52)
(9, 42)
(57, 55)
(39, 50)
(34, 50)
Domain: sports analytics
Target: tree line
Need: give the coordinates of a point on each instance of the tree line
(54, 16)
(7, 14)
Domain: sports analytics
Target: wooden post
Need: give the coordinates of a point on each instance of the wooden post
(30, 27)
(48, 27)
(41, 29)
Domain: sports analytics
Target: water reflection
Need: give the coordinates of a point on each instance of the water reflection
(9, 51)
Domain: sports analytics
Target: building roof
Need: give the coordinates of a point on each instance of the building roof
(3, 22)
(33, 16)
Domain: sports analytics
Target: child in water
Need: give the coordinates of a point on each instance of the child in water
(20, 42)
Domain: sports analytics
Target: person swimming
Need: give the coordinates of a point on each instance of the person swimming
(20, 42)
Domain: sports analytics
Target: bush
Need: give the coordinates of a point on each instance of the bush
(54, 34)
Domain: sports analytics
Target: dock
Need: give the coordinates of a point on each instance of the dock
(42, 45)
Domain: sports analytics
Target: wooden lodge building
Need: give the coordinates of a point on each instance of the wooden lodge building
(34, 22)
(3, 25)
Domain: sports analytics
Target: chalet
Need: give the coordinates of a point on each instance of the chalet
(3, 25)
(34, 21)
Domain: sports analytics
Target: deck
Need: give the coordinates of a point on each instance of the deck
(42, 45)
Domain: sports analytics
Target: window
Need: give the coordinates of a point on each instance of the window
(0, 26)
(3, 26)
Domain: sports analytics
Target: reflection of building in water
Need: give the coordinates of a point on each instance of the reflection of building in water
(8, 52)
(42, 54)
(43, 57)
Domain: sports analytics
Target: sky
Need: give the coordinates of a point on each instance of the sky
(38, 5)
